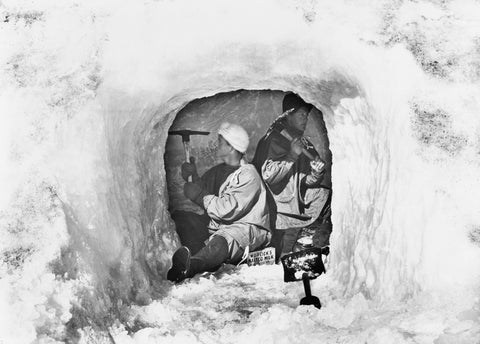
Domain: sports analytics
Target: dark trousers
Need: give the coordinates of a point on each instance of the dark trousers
(192, 229)
(284, 241)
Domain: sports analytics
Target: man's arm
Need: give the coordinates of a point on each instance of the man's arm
(202, 186)
(274, 172)
(317, 171)
(314, 178)
(312, 181)
(281, 157)
(236, 201)
(194, 192)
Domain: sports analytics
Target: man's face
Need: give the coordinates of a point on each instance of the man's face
(223, 148)
(298, 119)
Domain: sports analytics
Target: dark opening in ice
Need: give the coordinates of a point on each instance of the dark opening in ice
(255, 110)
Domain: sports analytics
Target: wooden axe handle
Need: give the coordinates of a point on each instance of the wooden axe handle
(186, 147)
(304, 150)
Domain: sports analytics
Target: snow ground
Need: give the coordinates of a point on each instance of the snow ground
(253, 305)
(83, 209)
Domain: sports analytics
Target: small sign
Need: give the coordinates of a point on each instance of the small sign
(263, 257)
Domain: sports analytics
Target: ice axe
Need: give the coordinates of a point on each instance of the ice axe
(305, 265)
(290, 138)
(185, 134)
(285, 134)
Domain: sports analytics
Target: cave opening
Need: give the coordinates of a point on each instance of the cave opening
(254, 110)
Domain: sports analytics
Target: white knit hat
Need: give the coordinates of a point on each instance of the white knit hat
(235, 135)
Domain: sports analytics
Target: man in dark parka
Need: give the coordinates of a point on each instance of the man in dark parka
(294, 179)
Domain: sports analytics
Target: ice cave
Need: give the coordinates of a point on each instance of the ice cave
(255, 110)
(88, 93)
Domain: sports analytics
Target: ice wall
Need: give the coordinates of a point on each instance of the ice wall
(84, 84)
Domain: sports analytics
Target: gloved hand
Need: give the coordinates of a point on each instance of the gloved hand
(194, 192)
(317, 171)
(317, 168)
(296, 147)
(189, 169)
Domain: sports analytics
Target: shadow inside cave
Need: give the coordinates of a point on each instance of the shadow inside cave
(255, 110)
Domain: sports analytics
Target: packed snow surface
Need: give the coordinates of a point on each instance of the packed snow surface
(88, 91)
(238, 305)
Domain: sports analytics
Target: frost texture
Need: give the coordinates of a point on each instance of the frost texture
(84, 200)
(435, 128)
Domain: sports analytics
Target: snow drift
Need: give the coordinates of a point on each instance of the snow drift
(84, 199)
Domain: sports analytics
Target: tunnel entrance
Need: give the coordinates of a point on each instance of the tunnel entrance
(254, 110)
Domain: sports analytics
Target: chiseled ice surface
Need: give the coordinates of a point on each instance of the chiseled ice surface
(88, 91)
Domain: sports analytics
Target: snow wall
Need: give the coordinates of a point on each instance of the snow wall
(84, 200)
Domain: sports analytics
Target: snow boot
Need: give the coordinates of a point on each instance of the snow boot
(180, 265)
(210, 257)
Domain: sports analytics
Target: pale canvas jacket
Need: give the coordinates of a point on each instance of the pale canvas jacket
(284, 176)
(242, 200)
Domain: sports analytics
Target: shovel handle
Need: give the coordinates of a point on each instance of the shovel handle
(306, 285)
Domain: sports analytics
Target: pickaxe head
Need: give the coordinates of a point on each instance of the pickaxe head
(185, 134)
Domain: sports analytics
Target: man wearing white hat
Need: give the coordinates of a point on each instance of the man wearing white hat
(235, 200)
